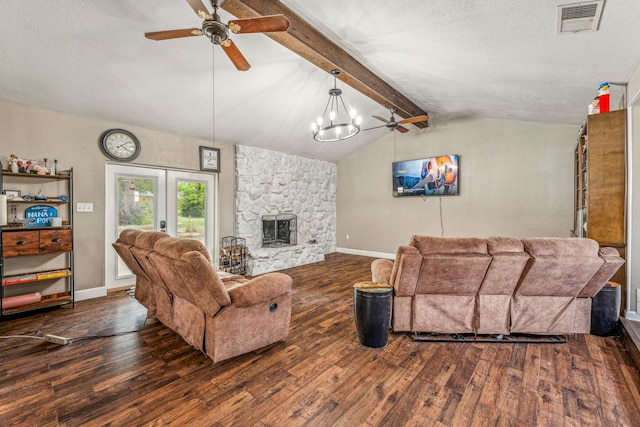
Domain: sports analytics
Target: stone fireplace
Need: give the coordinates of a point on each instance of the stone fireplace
(270, 187)
(279, 230)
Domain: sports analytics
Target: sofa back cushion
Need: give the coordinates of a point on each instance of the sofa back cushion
(431, 245)
(451, 265)
(123, 247)
(509, 260)
(558, 266)
(144, 245)
(612, 263)
(186, 269)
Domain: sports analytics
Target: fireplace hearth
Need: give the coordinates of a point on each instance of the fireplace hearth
(279, 230)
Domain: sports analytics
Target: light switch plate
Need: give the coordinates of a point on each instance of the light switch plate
(84, 207)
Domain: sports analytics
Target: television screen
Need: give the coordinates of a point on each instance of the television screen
(431, 176)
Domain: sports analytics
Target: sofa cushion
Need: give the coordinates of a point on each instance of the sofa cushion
(203, 283)
(497, 245)
(148, 239)
(260, 289)
(429, 245)
(558, 266)
(145, 243)
(558, 247)
(129, 236)
(612, 263)
(405, 271)
(174, 247)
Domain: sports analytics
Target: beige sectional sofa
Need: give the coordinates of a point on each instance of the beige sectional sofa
(497, 285)
(221, 314)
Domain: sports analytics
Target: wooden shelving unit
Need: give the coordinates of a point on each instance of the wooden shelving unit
(600, 184)
(36, 260)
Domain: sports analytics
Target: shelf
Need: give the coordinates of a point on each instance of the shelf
(19, 279)
(52, 300)
(6, 228)
(34, 201)
(35, 175)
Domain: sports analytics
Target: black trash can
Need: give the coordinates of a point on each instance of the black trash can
(605, 310)
(372, 311)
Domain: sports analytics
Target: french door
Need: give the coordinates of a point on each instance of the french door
(182, 204)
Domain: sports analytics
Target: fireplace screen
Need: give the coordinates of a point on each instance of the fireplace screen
(279, 230)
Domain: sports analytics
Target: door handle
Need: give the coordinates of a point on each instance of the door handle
(163, 225)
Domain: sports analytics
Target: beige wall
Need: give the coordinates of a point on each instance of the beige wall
(36, 133)
(516, 179)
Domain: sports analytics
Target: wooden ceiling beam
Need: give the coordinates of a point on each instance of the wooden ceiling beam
(316, 48)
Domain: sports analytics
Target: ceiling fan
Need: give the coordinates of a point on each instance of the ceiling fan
(393, 124)
(218, 32)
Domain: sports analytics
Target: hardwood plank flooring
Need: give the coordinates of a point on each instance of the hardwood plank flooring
(319, 376)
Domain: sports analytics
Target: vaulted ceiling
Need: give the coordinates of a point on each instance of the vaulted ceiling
(451, 58)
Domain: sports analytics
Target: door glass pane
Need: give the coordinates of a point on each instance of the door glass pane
(191, 197)
(136, 208)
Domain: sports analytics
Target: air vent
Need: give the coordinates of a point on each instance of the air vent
(579, 16)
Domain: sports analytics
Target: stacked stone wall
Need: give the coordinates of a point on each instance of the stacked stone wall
(271, 183)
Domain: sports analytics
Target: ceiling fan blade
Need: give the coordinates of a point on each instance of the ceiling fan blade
(173, 34)
(401, 129)
(264, 24)
(235, 55)
(199, 9)
(375, 127)
(414, 119)
(381, 118)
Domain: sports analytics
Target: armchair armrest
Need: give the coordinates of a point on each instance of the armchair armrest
(381, 270)
(260, 289)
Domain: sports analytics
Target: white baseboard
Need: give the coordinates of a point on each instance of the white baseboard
(365, 253)
(85, 294)
(632, 315)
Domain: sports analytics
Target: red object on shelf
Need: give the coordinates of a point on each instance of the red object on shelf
(603, 96)
(18, 300)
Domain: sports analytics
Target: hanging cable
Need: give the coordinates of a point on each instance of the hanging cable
(441, 223)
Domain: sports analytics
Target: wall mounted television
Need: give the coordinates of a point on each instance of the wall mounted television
(432, 176)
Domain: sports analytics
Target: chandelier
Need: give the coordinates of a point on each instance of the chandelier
(337, 122)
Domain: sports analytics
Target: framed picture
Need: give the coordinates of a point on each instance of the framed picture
(12, 194)
(209, 159)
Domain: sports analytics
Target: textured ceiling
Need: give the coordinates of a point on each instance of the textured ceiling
(453, 58)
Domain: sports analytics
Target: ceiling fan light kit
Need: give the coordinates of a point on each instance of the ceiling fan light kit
(338, 122)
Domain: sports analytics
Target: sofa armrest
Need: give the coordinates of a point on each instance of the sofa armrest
(260, 289)
(381, 270)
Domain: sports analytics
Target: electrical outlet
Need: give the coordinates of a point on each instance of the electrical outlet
(347, 237)
(84, 207)
(56, 339)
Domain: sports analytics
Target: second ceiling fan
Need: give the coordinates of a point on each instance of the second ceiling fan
(393, 124)
(218, 32)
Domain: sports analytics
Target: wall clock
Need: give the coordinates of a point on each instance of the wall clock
(209, 159)
(120, 145)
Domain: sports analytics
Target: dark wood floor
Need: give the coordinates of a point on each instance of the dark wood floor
(319, 376)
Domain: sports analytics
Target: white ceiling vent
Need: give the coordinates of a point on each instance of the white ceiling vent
(576, 17)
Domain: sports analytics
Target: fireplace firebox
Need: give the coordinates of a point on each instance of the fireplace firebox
(279, 230)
